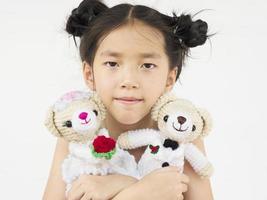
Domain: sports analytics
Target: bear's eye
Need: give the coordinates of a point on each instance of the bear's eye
(95, 111)
(165, 118)
(193, 128)
(67, 124)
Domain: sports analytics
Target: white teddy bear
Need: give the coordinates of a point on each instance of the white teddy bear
(179, 123)
(77, 117)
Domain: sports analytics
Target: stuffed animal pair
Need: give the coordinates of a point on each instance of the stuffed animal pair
(77, 117)
(179, 123)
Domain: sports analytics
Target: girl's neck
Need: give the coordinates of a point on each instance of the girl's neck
(115, 128)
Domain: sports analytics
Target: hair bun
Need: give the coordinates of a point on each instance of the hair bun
(81, 16)
(191, 33)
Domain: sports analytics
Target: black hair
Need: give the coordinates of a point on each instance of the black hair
(92, 20)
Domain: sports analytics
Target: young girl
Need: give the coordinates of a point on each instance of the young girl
(131, 55)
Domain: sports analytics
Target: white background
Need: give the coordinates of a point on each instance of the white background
(39, 62)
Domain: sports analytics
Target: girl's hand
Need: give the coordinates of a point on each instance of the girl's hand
(165, 183)
(90, 187)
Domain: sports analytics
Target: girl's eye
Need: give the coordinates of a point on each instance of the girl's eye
(110, 64)
(149, 65)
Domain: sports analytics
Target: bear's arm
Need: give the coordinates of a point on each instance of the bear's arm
(198, 189)
(198, 160)
(55, 187)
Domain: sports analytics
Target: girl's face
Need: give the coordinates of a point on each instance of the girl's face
(130, 63)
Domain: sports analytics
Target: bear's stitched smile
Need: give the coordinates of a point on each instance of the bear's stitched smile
(179, 128)
(86, 122)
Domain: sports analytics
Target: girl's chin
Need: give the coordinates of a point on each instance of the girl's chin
(128, 121)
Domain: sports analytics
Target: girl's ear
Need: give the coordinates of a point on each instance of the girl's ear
(88, 75)
(171, 79)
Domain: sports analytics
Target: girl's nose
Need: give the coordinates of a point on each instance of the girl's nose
(181, 119)
(83, 115)
(128, 85)
(129, 78)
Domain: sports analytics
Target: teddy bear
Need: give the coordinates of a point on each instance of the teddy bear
(77, 117)
(179, 123)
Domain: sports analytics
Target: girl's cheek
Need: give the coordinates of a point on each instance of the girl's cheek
(102, 75)
(108, 81)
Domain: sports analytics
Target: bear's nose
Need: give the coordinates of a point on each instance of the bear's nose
(83, 115)
(181, 119)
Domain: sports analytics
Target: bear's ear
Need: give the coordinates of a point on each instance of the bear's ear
(207, 121)
(96, 100)
(162, 101)
(50, 123)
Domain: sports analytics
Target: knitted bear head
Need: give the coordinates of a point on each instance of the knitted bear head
(179, 120)
(76, 116)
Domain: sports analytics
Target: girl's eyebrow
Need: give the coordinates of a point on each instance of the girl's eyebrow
(142, 55)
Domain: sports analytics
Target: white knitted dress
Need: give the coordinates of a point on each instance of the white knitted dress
(81, 161)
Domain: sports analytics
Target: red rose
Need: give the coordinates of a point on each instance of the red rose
(154, 149)
(103, 144)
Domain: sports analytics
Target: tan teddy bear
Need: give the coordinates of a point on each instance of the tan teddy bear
(179, 123)
(77, 117)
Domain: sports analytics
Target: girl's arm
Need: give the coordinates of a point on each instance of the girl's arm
(198, 189)
(164, 183)
(55, 188)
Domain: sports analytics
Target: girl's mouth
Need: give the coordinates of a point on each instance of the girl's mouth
(128, 101)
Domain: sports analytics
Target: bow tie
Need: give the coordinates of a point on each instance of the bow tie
(171, 143)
